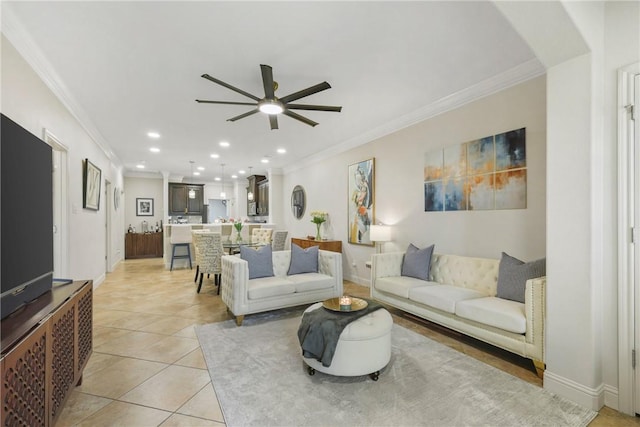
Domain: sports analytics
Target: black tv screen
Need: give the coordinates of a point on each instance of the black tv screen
(26, 217)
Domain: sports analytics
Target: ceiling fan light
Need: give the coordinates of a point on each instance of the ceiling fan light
(271, 107)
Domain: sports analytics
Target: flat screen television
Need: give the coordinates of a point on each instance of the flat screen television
(26, 217)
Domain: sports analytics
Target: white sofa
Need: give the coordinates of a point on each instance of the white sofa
(246, 296)
(461, 295)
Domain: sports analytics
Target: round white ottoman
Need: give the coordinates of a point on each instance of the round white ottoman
(364, 346)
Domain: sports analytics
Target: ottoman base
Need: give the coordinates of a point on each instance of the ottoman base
(364, 347)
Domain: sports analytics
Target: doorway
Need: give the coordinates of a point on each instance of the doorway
(60, 206)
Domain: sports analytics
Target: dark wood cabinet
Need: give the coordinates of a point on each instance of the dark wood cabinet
(44, 351)
(263, 198)
(325, 245)
(143, 245)
(181, 204)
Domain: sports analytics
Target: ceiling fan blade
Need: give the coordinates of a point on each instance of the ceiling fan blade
(228, 86)
(313, 107)
(299, 117)
(273, 121)
(267, 81)
(242, 116)
(202, 101)
(306, 92)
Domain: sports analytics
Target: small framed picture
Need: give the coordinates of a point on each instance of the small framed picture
(144, 207)
(92, 178)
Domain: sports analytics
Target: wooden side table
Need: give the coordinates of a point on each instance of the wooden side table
(326, 245)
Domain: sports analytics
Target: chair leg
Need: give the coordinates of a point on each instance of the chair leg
(197, 271)
(200, 283)
(219, 280)
(189, 253)
(173, 254)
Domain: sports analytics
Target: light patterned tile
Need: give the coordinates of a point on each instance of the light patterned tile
(203, 405)
(125, 414)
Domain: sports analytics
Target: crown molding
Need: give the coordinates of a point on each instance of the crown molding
(514, 76)
(14, 31)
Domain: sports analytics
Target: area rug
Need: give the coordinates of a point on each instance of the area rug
(260, 380)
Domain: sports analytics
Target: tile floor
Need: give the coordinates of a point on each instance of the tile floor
(147, 368)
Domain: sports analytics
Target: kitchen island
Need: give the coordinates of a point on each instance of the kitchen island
(226, 229)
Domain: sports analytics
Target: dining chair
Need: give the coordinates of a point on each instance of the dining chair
(261, 235)
(180, 238)
(279, 240)
(211, 252)
(195, 235)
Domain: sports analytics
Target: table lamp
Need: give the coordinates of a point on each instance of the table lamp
(380, 234)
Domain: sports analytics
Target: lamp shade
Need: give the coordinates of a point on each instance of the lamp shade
(380, 233)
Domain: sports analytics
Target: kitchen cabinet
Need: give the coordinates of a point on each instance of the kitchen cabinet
(263, 198)
(325, 245)
(253, 203)
(181, 204)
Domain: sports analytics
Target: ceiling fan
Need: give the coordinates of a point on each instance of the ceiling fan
(272, 105)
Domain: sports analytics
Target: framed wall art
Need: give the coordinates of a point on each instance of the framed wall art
(361, 201)
(144, 207)
(91, 181)
(485, 174)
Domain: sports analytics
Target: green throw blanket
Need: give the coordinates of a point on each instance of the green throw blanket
(320, 331)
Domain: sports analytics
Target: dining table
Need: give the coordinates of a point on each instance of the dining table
(233, 245)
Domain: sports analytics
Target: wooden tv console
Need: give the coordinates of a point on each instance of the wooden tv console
(44, 349)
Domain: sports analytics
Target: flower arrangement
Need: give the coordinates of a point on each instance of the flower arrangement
(237, 224)
(318, 218)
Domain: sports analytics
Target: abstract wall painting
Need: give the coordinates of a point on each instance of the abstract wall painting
(361, 201)
(484, 174)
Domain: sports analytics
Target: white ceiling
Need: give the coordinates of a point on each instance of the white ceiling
(130, 67)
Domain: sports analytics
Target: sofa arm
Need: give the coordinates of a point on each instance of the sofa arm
(234, 285)
(535, 309)
(330, 263)
(386, 265)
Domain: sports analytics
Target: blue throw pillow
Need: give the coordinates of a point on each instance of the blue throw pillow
(417, 262)
(303, 260)
(259, 260)
(513, 275)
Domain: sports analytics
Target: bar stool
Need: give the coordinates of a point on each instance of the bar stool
(180, 237)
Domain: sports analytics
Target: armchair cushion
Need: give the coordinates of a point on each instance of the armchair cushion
(513, 275)
(259, 261)
(303, 260)
(417, 262)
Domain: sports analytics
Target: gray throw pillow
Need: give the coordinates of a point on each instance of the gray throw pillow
(513, 275)
(259, 260)
(417, 262)
(303, 260)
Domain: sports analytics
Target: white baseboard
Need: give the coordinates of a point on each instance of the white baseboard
(363, 281)
(611, 397)
(592, 398)
(98, 280)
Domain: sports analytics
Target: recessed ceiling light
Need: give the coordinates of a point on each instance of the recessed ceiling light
(200, 168)
(154, 149)
(224, 144)
(215, 156)
(197, 173)
(217, 178)
(153, 134)
(140, 166)
(234, 176)
(265, 160)
(242, 172)
(281, 150)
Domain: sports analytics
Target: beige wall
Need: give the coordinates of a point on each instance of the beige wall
(146, 188)
(399, 161)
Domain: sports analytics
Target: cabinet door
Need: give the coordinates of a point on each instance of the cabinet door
(263, 198)
(195, 205)
(178, 199)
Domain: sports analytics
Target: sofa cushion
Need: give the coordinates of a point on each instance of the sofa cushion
(303, 260)
(259, 261)
(417, 262)
(513, 275)
(266, 287)
(443, 297)
(496, 312)
(311, 281)
(400, 285)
